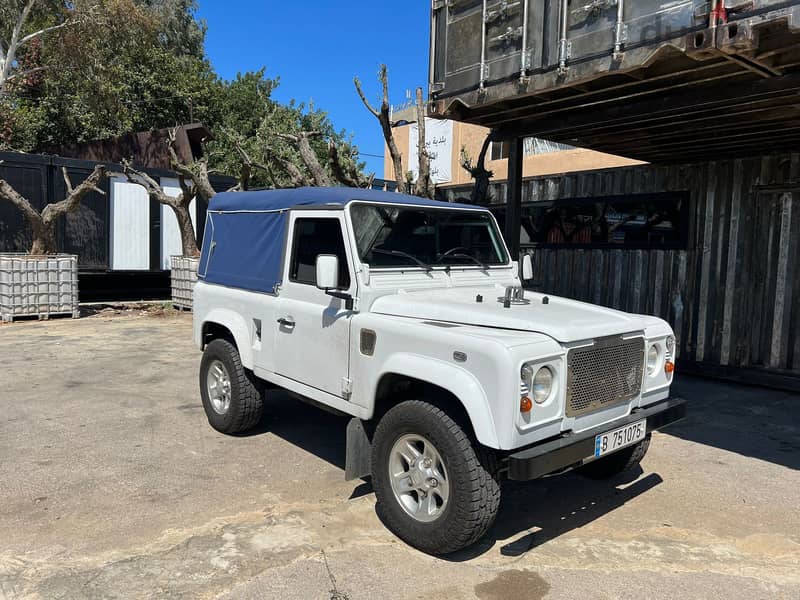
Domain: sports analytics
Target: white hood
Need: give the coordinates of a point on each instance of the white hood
(562, 319)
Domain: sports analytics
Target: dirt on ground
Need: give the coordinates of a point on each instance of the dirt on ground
(113, 485)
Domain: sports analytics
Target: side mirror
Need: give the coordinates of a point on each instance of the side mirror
(327, 272)
(527, 268)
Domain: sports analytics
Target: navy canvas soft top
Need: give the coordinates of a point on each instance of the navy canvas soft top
(307, 196)
(245, 231)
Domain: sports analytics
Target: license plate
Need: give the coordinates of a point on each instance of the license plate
(619, 438)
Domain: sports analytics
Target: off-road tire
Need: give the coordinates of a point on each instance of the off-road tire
(616, 463)
(471, 471)
(247, 394)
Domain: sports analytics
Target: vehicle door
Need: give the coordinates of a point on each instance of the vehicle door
(312, 341)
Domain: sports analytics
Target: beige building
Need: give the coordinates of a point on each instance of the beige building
(447, 138)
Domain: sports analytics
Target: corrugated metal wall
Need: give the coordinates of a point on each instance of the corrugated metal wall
(130, 226)
(733, 295)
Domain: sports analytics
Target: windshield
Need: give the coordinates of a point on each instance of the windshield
(396, 236)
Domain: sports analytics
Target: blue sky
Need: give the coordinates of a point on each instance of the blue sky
(317, 46)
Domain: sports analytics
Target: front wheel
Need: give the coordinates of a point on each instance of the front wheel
(232, 396)
(436, 489)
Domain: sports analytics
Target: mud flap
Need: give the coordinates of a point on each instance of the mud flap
(359, 451)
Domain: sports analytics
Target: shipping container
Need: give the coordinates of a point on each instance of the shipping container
(656, 80)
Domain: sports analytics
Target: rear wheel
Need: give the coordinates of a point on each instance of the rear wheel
(436, 489)
(616, 463)
(232, 395)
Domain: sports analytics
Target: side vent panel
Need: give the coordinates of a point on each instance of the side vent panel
(368, 339)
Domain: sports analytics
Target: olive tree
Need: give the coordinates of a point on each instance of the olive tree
(424, 185)
(43, 223)
(193, 179)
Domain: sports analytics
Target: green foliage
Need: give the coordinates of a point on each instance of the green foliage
(133, 65)
(252, 121)
(118, 69)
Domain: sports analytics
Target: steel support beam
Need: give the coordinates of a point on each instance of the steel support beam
(514, 196)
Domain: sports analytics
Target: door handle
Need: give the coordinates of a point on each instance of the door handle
(286, 322)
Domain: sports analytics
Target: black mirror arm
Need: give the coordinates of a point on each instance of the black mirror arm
(348, 299)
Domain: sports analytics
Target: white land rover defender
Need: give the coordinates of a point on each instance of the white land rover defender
(408, 315)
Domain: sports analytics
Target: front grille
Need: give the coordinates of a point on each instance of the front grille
(606, 373)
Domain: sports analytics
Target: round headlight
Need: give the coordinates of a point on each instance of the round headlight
(652, 359)
(542, 385)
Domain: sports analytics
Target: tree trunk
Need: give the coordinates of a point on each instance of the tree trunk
(188, 239)
(44, 237)
(43, 234)
(480, 193)
(310, 160)
(397, 161)
(384, 118)
(482, 176)
(424, 187)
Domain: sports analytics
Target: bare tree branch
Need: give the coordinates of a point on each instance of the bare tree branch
(74, 196)
(482, 176)
(198, 176)
(8, 56)
(67, 180)
(248, 165)
(179, 204)
(345, 174)
(41, 32)
(384, 117)
(374, 111)
(307, 155)
(25, 73)
(150, 185)
(296, 176)
(11, 52)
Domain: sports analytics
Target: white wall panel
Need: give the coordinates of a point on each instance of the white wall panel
(170, 233)
(130, 226)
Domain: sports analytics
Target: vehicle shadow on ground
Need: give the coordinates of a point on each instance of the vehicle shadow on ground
(319, 432)
(545, 509)
(540, 510)
(751, 421)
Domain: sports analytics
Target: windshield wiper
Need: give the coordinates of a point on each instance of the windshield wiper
(469, 257)
(404, 255)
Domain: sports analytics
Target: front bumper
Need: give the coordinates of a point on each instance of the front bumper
(571, 449)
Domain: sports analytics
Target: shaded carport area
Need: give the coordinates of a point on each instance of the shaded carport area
(749, 421)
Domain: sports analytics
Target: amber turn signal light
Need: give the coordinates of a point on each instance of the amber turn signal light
(525, 404)
(669, 367)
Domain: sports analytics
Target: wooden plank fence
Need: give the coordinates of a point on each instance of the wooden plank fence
(733, 293)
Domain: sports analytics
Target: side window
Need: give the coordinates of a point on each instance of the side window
(312, 237)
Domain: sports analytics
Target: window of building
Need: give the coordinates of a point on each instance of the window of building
(533, 146)
(499, 150)
(634, 221)
(312, 237)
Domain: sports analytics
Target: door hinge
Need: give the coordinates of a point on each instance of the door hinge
(347, 387)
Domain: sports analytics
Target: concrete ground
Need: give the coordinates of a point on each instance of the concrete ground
(112, 485)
